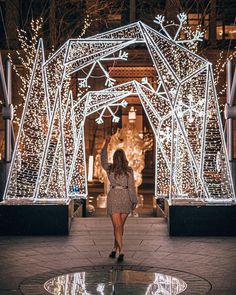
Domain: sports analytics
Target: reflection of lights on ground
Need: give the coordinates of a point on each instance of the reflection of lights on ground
(115, 282)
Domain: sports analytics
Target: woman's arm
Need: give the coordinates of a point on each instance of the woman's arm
(104, 155)
(131, 188)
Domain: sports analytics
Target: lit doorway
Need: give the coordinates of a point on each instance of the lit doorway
(133, 119)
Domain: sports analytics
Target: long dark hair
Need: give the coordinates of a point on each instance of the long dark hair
(120, 163)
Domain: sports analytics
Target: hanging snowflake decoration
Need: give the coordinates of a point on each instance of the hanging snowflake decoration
(83, 82)
(115, 118)
(190, 108)
(188, 163)
(182, 17)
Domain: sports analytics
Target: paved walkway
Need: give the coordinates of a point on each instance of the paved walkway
(147, 244)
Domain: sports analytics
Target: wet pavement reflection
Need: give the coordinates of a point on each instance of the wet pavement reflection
(117, 282)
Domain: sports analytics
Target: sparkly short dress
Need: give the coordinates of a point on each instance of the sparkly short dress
(119, 200)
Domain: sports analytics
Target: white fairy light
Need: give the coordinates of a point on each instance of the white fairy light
(90, 168)
(191, 159)
(26, 59)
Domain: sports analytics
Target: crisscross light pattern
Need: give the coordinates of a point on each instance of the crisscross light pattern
(49, 162)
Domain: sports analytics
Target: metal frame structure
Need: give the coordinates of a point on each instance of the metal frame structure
(49, 161)
(7, 109)
(230, 109)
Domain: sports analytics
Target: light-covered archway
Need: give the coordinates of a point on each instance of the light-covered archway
(191, 160)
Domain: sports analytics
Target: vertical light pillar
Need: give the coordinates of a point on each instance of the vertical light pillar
(229, 74)
(7, 110)
(90, 168)
(8, 104)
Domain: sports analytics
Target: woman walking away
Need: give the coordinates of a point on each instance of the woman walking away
(121, 199)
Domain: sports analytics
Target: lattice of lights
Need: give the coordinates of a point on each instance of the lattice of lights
(49, 162)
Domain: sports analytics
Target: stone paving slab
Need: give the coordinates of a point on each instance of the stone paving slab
(146, 243)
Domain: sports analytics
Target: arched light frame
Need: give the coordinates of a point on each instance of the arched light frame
(49, 160)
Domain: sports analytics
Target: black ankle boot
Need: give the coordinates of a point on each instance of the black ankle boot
(120, 257)
(112, 254)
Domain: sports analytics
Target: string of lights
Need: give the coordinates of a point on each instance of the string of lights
(49, 161)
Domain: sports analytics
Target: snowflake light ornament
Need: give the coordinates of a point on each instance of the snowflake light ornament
(182, 17)
(83, 82)
(190, 108)
(115, 118)
(183, 113)
(145, 82)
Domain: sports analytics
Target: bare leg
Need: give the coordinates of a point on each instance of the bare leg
(123, 219)
(115, 245)
(117, 225)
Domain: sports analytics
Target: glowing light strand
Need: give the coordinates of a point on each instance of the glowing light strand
(179, 87)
